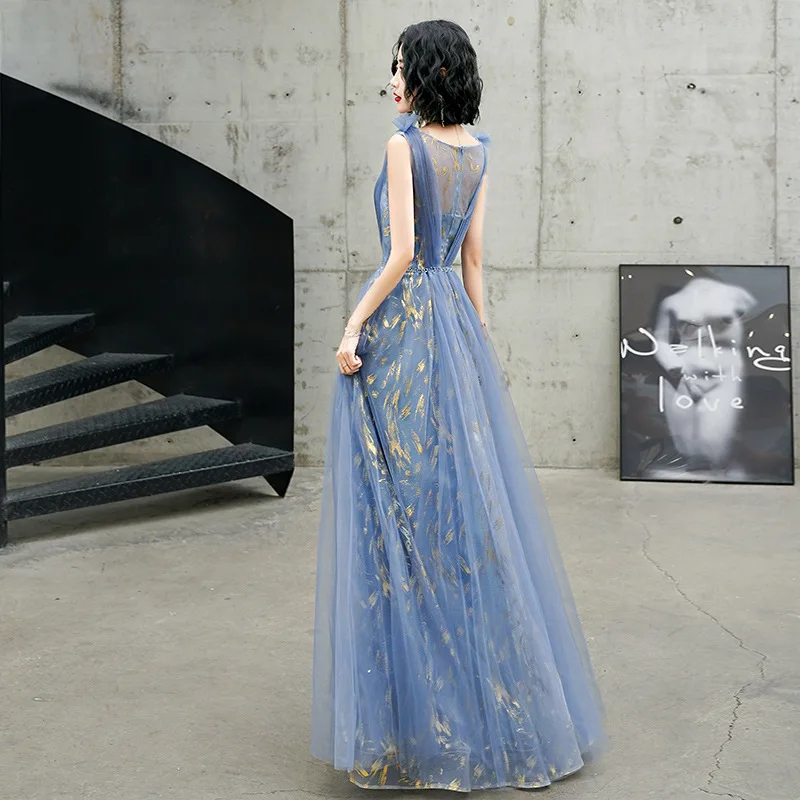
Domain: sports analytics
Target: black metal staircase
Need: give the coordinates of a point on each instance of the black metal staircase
(80, 377)
(28, 334)
(151, 267)
(117, 427)
(125, 483)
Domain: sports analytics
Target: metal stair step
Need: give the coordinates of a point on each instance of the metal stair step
(79, 377)
(142, 480)
(114, 427)
(29, 334)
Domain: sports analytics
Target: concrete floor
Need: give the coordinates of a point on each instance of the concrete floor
(162, 648)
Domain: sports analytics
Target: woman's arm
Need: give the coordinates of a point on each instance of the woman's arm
(401, 221)
(472, 254)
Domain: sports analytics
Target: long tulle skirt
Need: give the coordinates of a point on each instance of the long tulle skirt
(447, 649)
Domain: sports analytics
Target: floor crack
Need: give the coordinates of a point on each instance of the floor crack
(723, 794)
(737, 698)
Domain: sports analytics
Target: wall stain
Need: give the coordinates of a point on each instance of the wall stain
(328, 220)
(108, 101)
(117, 75)
(568, 10)
(278, 155)
(232, 138)
(172, 134)
(308, 55)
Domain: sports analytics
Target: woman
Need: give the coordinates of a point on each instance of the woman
(447, 650)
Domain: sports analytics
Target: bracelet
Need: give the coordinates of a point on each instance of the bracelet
(352, 334)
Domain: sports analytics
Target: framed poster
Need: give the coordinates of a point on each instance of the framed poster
(705, 374)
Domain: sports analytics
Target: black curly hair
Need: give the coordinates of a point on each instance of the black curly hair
(440, 68)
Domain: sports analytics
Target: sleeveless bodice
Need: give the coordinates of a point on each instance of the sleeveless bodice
(446, 183)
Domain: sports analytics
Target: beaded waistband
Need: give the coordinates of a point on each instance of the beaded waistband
(415, 269)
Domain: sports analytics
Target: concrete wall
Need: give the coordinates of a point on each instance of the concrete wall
(599, 143)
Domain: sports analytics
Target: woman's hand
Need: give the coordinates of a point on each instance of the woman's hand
(349, 362)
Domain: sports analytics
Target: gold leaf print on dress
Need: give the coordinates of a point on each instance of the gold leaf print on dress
(369, 441)
(430, 537)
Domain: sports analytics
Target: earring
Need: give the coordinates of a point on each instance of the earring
(441, 109)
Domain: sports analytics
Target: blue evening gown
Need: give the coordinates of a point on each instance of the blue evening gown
(447, 650)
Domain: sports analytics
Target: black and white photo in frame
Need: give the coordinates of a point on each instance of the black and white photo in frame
(705, 374)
